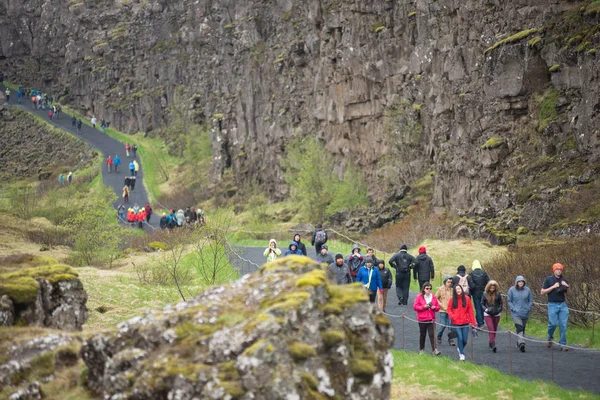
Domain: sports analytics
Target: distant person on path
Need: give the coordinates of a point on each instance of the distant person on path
(319, 238)
(131, 168)
(73, 122)
(7, 93)
(70, 178)
(272, 252)
(301, 245)
(369, 276)
(556, 287)
(103, 125)
(109, 163)
(461, 279)
(371, 253)
(163, 221)
(79, 123)
(520, 301)
(426, 305)
(491, 303)
(34, 102)
(355, 260)
(148, 210)
(444, 295)
(141, 217)
(323, 256)
(127, 149)
(338, 271)
(293, 249)
(136, 208)
(386, 280)
(200, 216)
(460, 311)
(477, 280)
(121, 212)
(93, 120)
(136, 168)
(19, 96)
(134, 149)
(58, 111)
(402, 262)
(61, 179)
(180, 217)
(132, 180)
(126, 194)
(172, 220)
(424, 270)
(116, 162)
(50, 115)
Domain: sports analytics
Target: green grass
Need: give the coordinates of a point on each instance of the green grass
(444, 378)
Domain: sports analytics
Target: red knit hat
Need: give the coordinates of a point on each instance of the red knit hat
(422, 249)
(558, 266)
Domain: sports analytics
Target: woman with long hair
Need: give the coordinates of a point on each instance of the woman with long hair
(460, 311)
(491, 302)
(426, 305)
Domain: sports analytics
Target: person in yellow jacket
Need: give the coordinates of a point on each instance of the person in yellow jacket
(136, 167)
(126, 194)
(272, 252)
(444, 294)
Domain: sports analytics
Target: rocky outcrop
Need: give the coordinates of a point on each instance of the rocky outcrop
(280, 333)
(48, 295)
(495, 97)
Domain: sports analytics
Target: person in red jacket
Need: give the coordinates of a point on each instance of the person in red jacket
(141, 218)
(426, 305)
(148, 212)
(109, 163)
(460, 311)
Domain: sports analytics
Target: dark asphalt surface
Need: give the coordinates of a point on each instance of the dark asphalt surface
(103, 143)
(577, 369)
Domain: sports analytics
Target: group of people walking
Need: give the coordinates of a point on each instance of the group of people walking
(466, 303)
(135, 215)
(190, 218)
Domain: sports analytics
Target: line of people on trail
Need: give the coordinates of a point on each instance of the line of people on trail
(135, 215)
(190, 218)
(466, 302)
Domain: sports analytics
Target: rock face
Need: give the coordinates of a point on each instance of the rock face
(489, 96)
(281, 333)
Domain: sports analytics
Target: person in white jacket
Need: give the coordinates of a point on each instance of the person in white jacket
(272, 252)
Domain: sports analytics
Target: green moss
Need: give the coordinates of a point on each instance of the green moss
(547, 108)
(342, 297)
(286, 16)
(301, 351)
(379, 29)
(492, 143)
(363, 368)
(259, 344)
(233, 389)
(316, 277)
(593, 8)
(554, 68)
(309, 380)
(229, 26)
(591, 51)
(417, 107)
(232, 318)
(377, 26)
(533, 41)
(119, 32)
(288, 301)
(522, 230)
(280, 57)
(381, 319)
(158, 246)
(411, 14)
(21, 286)
(513, 38)
(332, 337)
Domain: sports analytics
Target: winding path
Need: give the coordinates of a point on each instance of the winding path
(104, 144)
(578, 369)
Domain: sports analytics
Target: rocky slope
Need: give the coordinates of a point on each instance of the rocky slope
(498, 99)
(280, 333)
(31, 148)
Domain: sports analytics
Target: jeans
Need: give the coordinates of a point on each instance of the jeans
(462, 333)
(478, 308)
(444, 320)
(558, 316)
(492, 326)
(520, 324)
(402, 286)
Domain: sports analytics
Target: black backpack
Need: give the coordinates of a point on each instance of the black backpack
(403, 263)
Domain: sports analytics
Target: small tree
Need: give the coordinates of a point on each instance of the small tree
(23, 199)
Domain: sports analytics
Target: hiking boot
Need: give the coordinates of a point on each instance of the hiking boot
(564, 348)
(549, 343)
(451, 342)
(439, 340)
(494, 348)
(491, 345)
(436, 352)
(522, 347)
(461, 357)
(421, 352)
(400, 302)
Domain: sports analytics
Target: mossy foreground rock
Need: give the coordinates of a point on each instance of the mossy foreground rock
(280, 333)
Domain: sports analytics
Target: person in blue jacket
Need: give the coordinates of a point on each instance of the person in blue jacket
(293, 249)
(116, 162)
(370, 277)
(131, 168)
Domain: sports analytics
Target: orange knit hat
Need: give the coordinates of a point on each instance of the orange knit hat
(558, 266)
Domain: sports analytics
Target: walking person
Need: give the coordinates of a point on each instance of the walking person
(70, 178)
(126, 194)
(121, 212)
(402, 263)
(355, 261)
(491, 303)
(424, 270)
(478, 280)
(386, 281)
(7, 93)
(520, 301)
(73, 122)
(131, 168)
(109, 163)
(93, 121)
(319, 238)
(461, 279)
(272, 252)
(163, 221)
(134, 149)
(426, 305)
(19, 96)
(338, 271)
(148, 210)
(323, 256)
(61, 179)
(127, 149)
(460, 311)
(369, 276)
(293, 249)
(116, 162)
(444, 295)
(79, 123)
(556, 287)
(103, 125)
(136, 168)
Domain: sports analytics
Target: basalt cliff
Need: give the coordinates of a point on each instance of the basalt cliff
(498, 101)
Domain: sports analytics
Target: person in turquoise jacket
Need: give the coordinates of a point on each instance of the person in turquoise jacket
(116, 162)
(369, 276)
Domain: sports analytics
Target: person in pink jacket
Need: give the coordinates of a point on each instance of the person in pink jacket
(426, 305)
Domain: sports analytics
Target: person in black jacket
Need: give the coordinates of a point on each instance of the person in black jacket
(478, 279)
(491, 302)
(402, 263)
(301, 245)
(371, 253)
(319, 238)
(386, 280)
(424, 270)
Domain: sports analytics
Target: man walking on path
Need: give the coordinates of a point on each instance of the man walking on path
(109, 163)
(93, 121)
(19, 95)
(338, 271)
(116, 162)
(73, 122)
(79, 123)
(319, 238)
(148, 212)
(70, 178)
(369, 276)
(402, 263)
(424, 270)
(134, 149)
(444, 295)
(477, 282)
(103, 125)
(556, 287)
(127, 149)
(386, 281)
(7, 93)
(61, 179)
(520, 301)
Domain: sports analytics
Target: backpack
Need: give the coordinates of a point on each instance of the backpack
(404, 263)
(462, 281)
(320, 237)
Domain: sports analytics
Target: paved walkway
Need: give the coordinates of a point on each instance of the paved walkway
(578, 369)
(103, 143)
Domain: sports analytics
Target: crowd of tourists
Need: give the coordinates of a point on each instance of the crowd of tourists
(190, 218)
(466, 303)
